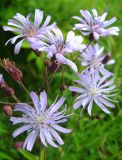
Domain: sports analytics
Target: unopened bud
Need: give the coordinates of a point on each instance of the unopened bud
(63, 87)
(18, 145)
(97, 117)
(9, 91)
(74, 94)
(54, 66)
(8, 110)
(48, 63)
(10, 67)
(91, 37)
(106, 59)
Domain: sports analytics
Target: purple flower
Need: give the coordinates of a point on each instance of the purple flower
(41, 121)
(56, 47)
(95, 61)
(26, 28)
(95, 25)
(92, 91)
(1, 79)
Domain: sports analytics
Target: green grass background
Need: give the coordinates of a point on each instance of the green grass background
(92, 139)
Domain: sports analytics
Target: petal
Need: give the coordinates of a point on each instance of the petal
(77, 104)
(57, 105)
(64, 60)
(77, 89)
(101, 106)
(35, 100)
(38, 17)
(46, 21)
(49, 138)
(32, 140)
(18, 46)
(90, 107)
(56, 136)
(21, 130)
(61, 129)
(43, 100)
(42, 137)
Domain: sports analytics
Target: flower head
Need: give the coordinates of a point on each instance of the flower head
(41, 120)
(26, 29)
(94, 25)
(92, 91)
(56, 47)
(95, 61)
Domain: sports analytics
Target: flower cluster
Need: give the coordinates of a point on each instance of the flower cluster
(95, 81)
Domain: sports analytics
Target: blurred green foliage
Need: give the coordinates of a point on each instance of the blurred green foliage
(92, 139)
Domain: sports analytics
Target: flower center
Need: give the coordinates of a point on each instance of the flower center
(95, 63)
(31, 31)
(93, 91)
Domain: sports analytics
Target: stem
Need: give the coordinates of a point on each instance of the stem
(45, 153)
(40, 155)
(46, 79)
(10, 103)
(23, 86)
(16, 99)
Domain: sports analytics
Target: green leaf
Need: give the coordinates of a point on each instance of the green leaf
(28, 155)
(4, 156)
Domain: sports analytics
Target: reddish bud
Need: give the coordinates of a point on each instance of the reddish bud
(63, 87)
(54, 66)
(9, 91)
(105, 59)
(8, 110)
(10, 67)
(18, 145)
(48, 63)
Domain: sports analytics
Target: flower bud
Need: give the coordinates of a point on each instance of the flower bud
(91, 37)
(48, 63)
(8, 110)
(9, 91)
(10, 67)
(74, 94)
(54, 66)
(105, 59)
(18, 145)
(63, 87)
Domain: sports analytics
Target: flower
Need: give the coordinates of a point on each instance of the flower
(95, 25)
(54, 45)
(95, 61)
(41, 121)
(23, 25)
(92, 91)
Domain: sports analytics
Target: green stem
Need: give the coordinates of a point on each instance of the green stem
(23, 86)
(45, 153)
(40, 155)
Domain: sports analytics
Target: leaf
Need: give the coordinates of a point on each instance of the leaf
(28, 155)
(4, 156)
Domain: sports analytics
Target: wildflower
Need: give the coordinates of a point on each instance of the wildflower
(26, 29)
(92, 91)
(94, 25)
(41, 121)
(95, 61)
(56, 47)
